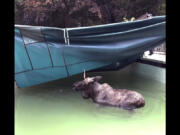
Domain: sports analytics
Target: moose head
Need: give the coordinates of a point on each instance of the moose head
(83, 85)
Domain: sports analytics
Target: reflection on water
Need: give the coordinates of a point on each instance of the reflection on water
(54, 109)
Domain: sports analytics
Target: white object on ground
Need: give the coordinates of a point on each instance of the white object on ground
(157, 56)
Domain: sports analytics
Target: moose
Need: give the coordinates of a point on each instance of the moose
(104, 94)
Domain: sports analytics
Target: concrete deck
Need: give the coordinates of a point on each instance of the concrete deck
(156, 56)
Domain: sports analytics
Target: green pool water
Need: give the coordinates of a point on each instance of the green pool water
(54, 109)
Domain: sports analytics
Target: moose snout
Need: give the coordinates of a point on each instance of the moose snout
(78, 86)
(74, 86)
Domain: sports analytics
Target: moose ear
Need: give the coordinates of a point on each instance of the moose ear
(97, 78)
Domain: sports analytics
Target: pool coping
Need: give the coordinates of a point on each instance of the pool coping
(152, 62)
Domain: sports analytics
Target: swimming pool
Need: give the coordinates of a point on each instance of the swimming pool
(54, 109)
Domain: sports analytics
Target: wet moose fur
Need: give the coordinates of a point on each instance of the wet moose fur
(106, 95)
